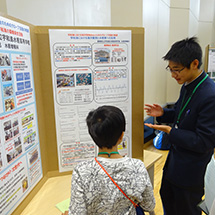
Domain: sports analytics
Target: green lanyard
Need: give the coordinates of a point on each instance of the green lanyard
(182, 109)
(106, 153)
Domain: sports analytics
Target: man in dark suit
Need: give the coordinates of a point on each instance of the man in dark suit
(192, 136)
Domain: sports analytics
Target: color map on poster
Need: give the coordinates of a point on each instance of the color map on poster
(20, 160)
(90, 68)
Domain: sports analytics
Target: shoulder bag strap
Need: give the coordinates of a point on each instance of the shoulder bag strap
(135, 205)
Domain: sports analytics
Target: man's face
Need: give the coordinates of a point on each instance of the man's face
(180, 73)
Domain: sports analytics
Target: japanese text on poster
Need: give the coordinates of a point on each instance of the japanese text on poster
(90, 68)
(20, 162)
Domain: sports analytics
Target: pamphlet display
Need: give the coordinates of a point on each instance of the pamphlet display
(90, 68)
(20, 160)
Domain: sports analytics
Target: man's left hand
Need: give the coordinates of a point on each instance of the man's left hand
(164, 128)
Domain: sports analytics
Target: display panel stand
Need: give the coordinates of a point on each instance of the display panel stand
(45, 105)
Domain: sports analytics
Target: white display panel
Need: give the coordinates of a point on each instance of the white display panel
(20, 160)
(90, 68)
(211, 63)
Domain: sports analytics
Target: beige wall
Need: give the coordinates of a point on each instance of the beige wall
(62, 13)
(3, 6)
(213, 30)
(126, 13)
(206, 18)
(156, 24)
(92, 13)
(179, 29)
(189, 18)
(40, 12)
(165, 22)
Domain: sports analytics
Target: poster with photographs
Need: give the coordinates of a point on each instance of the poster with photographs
(20, 160)
(211, 63)
(90, 68)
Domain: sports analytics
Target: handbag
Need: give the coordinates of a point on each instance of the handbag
(139, 210)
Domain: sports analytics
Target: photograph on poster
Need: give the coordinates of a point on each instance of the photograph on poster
(27, 119)
(9, 131)
(14, 153)
(119, 55)
(110, 54)
(8, 135)
(15, 122)
(33, 156)
(7, 125)
(0, 160)
(83, 79)
(65, 80)
(1, 103)
(29, 139)
(24, 184)
(17, 142)
(7, 90)
(16, 131)
(6, 75)
(74, 86)
(102, 55)
(122, 147)
(9, 104)
(4, 59)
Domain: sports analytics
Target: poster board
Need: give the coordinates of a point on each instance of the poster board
(90, 68)
(20, 159)
(210, 62)
(42, 33)
(45, 105)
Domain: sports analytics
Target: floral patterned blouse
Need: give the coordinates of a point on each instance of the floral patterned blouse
(93, 192)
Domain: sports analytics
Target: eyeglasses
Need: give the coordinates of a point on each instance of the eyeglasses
(174, 71)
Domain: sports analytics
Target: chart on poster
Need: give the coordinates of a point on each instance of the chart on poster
(20, 160)
(90, 68)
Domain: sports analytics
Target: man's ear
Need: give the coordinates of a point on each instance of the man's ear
(194, 65)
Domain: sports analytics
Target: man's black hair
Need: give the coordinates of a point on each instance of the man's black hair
(105, 125)
(185, 52)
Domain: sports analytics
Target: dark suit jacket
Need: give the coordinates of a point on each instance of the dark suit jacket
(193, 139)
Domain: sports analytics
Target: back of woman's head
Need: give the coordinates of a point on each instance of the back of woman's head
(105, 125)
